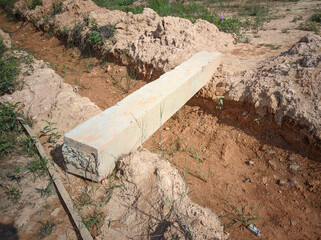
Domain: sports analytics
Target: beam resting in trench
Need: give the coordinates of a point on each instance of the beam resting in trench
(92, 148)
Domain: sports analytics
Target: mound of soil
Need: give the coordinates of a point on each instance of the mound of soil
(45, 97)
(286, 86)
(150, 44)
(152, 201)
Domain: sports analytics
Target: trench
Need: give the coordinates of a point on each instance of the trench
(228, 160)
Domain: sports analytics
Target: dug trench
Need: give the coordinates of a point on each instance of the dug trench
(245, 168)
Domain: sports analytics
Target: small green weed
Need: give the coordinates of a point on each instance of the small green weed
(28, 145)
(34, 4)
(285, 30)
(195, 155)
(9, 126)
(220, 102)
(8, 6)
(38, 166)
(271, 46)
(295, 19)
(8, 73)
(52, 134)
(47, 190)
(93, 221)
(310, 26)
(241, 217)
(46, 229)
(84, 199)
(94, 38)
(316, 17)
(57, 7)
(2, 48)
(13, 194)
(257, 120)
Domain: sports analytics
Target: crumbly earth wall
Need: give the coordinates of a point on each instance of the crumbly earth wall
(287, 86)
(150, 44)
(45, 97)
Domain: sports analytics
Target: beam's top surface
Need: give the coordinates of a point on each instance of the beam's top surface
(103, 127)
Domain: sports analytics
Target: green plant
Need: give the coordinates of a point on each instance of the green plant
(94, 38)
(38, 166)
(47, 190)
(195, 155)
(220, 102)
(94, 220)
(295, 19)
(316, 17)
(85, 199)
(46, 229)
(271, 46)
(8, 6)
(63, 31)
(2, 47)
(53, 136)
(257, 120)
(240, 217)
(310, 26)
(9, 126)
(57, 7)
(28, 144)
(34, 4)
(8, 73)
(13, 194)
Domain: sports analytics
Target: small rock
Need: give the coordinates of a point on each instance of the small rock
(291, 158)
(109, 68)
(294, 168)
(292, 222)
(272, 165)
(282, 182)
(264, 180)
(250, 163)
(268, 151)
(55, 212)
(167, 128)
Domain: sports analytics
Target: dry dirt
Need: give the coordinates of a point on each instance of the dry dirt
(253, 149)
(24, 219)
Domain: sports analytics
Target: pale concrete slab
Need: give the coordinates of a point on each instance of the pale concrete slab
(92, 148)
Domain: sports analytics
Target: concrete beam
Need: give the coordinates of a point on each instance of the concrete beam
(92, 148)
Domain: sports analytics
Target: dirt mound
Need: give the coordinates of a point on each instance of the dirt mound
(5, 39)
(287, 86)
(150, 44)
(153, 201)
(44, 96)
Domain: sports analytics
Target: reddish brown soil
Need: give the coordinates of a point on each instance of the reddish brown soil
(213, 151)
(224, 142)
(104, 83)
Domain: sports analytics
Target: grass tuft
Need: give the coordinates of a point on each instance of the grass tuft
(46, 229)
(8, 73)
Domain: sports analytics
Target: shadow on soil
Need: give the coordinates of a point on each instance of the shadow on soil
(8, 232)
(288, 136)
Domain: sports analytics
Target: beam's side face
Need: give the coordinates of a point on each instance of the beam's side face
(92, 148)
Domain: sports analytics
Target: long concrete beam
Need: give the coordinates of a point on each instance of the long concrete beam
(92, 148)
